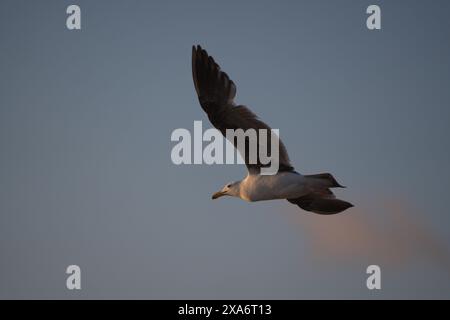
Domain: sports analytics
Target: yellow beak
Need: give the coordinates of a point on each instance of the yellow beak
(218, 195)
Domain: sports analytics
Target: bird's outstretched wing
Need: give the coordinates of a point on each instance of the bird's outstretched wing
(216, 92)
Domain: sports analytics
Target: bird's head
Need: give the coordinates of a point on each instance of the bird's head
(230, 189)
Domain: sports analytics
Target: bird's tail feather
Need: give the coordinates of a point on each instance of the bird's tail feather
(327, 178)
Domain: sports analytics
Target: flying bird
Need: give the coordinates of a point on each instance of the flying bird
(216, 93)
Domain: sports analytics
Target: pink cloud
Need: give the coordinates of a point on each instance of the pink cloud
(387, 233)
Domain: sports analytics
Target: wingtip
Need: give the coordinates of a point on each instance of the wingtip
(198, 51)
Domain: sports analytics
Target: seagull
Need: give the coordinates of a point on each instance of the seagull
(216, 93)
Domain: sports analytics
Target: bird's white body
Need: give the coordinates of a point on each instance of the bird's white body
(283, 185)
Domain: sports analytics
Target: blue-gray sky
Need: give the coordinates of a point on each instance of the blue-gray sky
(85, 170)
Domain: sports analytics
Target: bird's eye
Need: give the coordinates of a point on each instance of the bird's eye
(229, 186)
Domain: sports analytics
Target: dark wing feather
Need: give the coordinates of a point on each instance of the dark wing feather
(321, 202)
(216, 92)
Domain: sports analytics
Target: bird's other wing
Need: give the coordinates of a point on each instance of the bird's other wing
(321, 202)
(216, 92)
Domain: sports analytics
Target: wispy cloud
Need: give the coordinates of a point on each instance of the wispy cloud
(388, 233)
